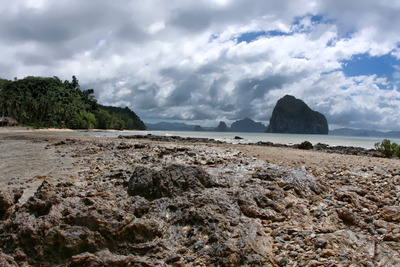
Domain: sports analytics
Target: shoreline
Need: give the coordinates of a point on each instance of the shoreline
(327, 143)
(305, 145)
(212, 204)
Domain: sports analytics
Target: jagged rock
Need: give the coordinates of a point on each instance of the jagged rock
(8, 121)
(291, 115)
(391, 213)
(289, 178)
(6, 202)
(168, 182)
(306, 145)
(347, 216)
(248, 125)
(124, 145)
(41, 203)
(70, 240)
(106, 258)
(6, 260)
(321, 243)
(140, 231)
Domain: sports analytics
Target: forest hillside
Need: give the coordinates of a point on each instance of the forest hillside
(50, 102)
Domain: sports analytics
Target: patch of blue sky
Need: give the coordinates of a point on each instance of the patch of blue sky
(213, 37)
(329, 72)
(249, 37)
(298, 26)
(364, 64)
(315, 19)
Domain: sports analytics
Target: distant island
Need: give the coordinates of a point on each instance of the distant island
(292, 115)
(222, 127)
(245, 125)
(48, 102)
(169, 126)
(248, 125)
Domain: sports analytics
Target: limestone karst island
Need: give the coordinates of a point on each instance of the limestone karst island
(292, 115)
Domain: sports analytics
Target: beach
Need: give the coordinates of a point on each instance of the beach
(79, 200)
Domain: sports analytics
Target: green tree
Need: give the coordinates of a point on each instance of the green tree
(75, 82)
(103, 119)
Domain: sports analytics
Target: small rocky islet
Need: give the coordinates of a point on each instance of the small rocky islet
(144, 202)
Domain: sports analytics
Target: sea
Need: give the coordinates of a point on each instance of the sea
(229, 137)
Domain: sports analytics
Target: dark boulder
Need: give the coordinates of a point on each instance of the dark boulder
(292, 115)
(8, 121)
(306, 145)
(6, 202)
(169, 181)
(43, 200)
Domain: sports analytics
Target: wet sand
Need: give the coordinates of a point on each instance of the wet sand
(26, 160)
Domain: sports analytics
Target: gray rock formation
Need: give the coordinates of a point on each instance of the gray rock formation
(292, 115)
(248, 125)
(198, 128)
(222, 127)
(169, 182)
(8, 121)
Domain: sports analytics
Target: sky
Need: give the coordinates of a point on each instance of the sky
(206, 61)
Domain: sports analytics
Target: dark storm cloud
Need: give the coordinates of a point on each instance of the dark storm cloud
(257, 88)
(191, 20)
(34, 27)
(29, 59)
(131, 33)
(145, 97)
(55, 24)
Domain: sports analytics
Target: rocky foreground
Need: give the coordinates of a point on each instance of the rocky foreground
(146, 203)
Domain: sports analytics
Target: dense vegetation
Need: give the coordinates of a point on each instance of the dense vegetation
(110, 117)
(387, 148)
(50, 102)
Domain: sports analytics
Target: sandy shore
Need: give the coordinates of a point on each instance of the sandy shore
(244, 205)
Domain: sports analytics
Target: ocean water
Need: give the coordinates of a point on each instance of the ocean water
(289, 139)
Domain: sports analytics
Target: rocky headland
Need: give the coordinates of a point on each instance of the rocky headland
(292, 115)
(149, 202)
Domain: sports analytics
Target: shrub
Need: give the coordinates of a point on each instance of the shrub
(388, 148)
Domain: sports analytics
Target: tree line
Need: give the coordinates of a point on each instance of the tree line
(49, 102)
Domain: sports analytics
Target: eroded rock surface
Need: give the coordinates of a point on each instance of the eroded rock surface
(170, 181)
(149, 204)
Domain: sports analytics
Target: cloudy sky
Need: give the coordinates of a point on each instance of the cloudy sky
(201, 62)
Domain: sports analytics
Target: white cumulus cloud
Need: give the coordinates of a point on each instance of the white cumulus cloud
(211, 60)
